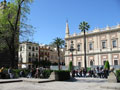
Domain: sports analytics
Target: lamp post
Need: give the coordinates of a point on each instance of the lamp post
(72, 50)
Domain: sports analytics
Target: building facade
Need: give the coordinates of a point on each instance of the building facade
(31, 53)
(47, 52)
(28, 53)
(101, 45)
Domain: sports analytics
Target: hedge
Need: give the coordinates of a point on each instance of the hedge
(118, 75)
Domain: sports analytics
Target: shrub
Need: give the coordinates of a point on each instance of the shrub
(70, 66)
(118, 75)
(107, 65)
(46, 73)
(88, 69)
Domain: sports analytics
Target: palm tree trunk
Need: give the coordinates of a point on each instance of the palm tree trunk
(58, 58)
(85, 50)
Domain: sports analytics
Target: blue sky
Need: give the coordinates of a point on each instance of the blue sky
(49, 16)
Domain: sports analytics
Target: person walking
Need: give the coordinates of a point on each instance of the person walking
(10, 73)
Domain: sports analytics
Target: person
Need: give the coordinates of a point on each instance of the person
(1, 72)
(21, 73)
(30, 74)
(37, 73)
(80, 72)
(76, 72)
(73, 73)
(84, 72)
(10, 73)
(97, 71)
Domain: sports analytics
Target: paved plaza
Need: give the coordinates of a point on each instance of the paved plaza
(78, 84)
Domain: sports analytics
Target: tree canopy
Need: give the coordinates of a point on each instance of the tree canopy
(13, 16)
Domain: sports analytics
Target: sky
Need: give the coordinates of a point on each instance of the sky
(49, 16)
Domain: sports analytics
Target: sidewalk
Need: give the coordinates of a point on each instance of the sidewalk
(32, 80)
(103, 83)
(36, 80)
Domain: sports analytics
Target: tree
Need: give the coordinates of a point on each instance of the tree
(58, 43)
(84, 27)
(12, 24)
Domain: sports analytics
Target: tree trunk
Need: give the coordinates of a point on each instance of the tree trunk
(58, 57)
(85, 50)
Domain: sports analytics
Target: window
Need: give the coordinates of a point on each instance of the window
(33, 55)
(29, 54)
(71, 41)
(104, 44)
(36, 48)
(65, 45)
(90, 46)
(79, 64)
(21, 48)
(32, 48)
(114, 43)
(29, 47)
(91, 63)
(115, 62)
(29, 60)
(78, 46)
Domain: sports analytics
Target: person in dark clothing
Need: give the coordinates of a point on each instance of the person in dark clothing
(80, 72)
(84, 72)
(73, 73)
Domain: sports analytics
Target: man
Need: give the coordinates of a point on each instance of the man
(10, 73)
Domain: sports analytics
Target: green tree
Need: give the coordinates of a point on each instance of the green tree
(107, 65)
(84, 27)
(58, 43)
(12, 24)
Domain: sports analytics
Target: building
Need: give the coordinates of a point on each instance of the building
(101, 45)
(31, 53)
(54, 56)
(28, 54)
(44, 52)
(47, 52)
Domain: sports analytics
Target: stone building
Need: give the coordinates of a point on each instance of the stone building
(101, 45)
(47, 52)
(28, 53)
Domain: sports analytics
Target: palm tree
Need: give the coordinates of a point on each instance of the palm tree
(58, 42)
(84, 27)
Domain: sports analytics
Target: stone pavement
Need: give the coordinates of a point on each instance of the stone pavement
(73, 84)
(32, 80)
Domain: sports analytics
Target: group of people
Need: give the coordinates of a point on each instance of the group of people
(35, 73)
(98, 72)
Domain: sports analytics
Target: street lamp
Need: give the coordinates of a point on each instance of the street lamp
(72, 50)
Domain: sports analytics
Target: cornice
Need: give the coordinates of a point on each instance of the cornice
(93, 33)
